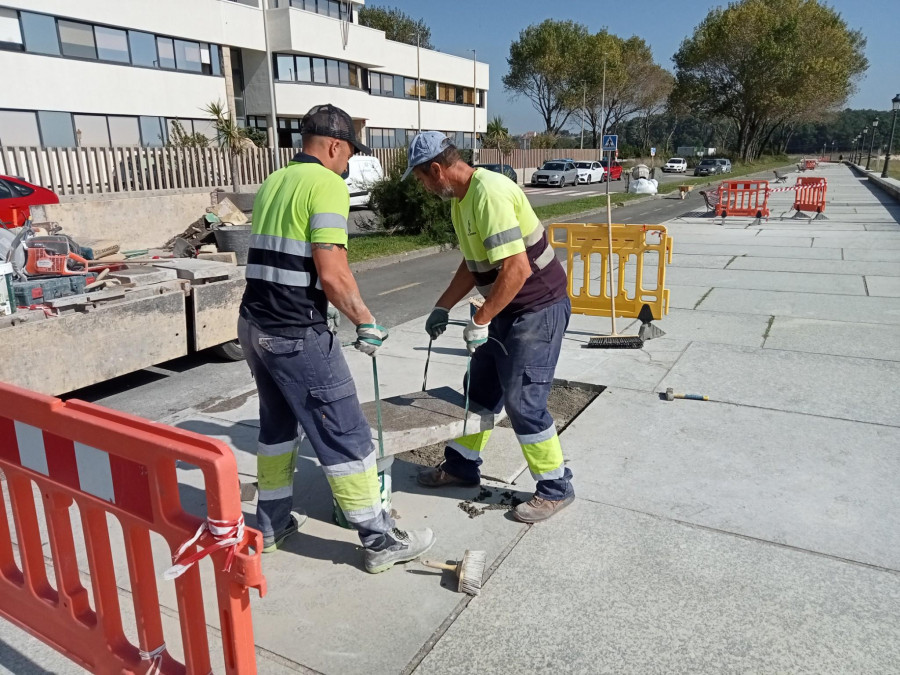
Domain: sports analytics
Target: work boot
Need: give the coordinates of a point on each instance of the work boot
(537, 508)
(401, 547)
(435, 477)
(273, 543)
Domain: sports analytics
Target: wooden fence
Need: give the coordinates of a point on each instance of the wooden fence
(123, 169)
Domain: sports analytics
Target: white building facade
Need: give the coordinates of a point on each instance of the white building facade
(123, 72)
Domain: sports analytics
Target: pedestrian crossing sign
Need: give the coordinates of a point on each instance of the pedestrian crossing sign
(610, 143)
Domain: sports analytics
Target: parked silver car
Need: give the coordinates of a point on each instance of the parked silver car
(557, 173)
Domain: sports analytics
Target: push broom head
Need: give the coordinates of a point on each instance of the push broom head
(615, 342)
(471, 572)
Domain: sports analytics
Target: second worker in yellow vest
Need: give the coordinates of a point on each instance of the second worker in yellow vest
(508, 258)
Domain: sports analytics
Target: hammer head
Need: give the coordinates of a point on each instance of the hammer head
(670, 394)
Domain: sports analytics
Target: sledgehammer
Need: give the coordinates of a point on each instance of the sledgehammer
(671, 396)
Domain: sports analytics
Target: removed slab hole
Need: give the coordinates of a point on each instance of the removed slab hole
(566, 401)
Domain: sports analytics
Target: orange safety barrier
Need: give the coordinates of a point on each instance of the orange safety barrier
(810, 164)
(743, 198)
(635, 252)
(810, 196)
(117, 467)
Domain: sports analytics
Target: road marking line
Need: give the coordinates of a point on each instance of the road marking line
(400, 288)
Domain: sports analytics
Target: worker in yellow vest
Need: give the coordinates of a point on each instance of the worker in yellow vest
(507, 256)
(297, 263)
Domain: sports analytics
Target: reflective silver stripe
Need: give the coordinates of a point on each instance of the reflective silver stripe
(350, 468)
(545, 258)
(482, 265)
(531, 439)
(501, 238)
(361, 516)
(485, 290)
(320, 220)
(270, 242)
(278, 275)
(277, 493)
(534, 237)
(550, 475)
(468, 453)
(275, 449)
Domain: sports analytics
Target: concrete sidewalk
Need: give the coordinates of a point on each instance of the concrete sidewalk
(758, 532)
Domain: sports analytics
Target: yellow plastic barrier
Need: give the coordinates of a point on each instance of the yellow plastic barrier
(642, 249)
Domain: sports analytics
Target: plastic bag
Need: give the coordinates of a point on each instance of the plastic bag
(643, 186)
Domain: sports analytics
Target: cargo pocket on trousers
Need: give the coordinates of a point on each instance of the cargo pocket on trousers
(536, 388)
(338, 406)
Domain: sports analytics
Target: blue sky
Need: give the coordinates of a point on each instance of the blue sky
(489, 26)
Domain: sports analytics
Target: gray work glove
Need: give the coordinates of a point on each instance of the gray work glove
(475, 335)
(369, 337)
(333, 318)
(436, 323)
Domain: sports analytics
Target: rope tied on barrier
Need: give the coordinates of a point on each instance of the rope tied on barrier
(154, 657)
(226, 533)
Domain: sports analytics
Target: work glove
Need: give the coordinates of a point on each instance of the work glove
(475, 335)
(369, 337)
(333, 318)
(436, 323)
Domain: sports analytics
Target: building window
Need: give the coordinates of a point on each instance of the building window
(19, 128)
(318, 71)
(166, 51)
(143, 49)
(333, 78)
(39, 31)
(344, 74)
(152, 133)
(10, 32)
(56, 129)
(285, 68)
(91, 130)
(431, 91)
(187, 56)
(124, 131)
(215, 59)
(112, 44)
(77, 39)
(375, 84)
(354, 77)
(258, 122)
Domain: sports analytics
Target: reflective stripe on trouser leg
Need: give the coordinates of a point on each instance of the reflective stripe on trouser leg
(275, 466)
(356, 489)
(471, 446)
(543, 453)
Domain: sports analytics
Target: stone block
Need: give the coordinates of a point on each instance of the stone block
(142, 275)
(415, 420)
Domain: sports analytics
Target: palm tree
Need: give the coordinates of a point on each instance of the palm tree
(497, 136)
(231, 136)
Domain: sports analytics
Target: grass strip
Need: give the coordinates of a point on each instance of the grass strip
(378, 245)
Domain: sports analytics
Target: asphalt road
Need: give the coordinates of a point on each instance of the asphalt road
(538, 196)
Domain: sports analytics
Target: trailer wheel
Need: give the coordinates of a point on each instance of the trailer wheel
(230, 351)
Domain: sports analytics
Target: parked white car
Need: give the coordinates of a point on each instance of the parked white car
(675, 165)
(364, 171)
(590, 172)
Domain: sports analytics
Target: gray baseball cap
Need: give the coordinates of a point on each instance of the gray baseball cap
(425, 147)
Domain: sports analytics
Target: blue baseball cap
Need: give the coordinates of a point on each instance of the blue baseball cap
(425, 147)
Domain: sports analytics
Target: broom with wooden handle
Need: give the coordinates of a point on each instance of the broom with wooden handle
(469, 571)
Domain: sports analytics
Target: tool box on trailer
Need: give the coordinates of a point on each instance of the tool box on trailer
(40, 290)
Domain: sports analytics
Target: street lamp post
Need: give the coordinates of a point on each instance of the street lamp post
(853, 152)
(862, 144)
(872, 142)
(895, 106)
(831, 156)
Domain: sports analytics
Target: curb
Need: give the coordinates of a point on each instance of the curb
(875, 178)
(375, 263)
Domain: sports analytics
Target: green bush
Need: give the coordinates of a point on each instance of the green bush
(404, 207)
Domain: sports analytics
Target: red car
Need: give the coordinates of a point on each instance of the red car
(614, 173)
(16, 199)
